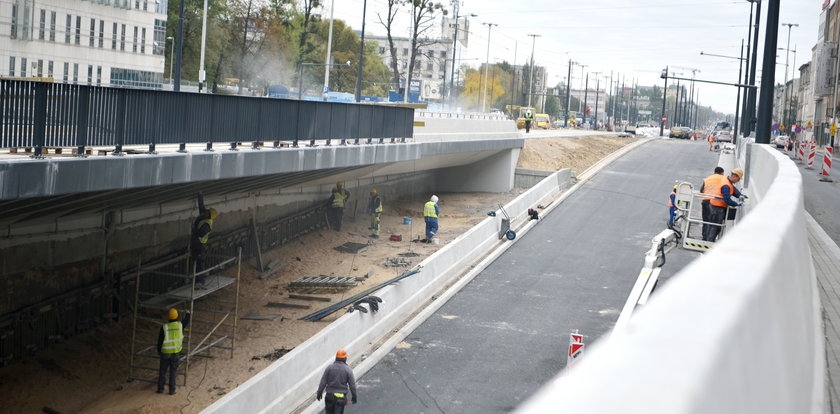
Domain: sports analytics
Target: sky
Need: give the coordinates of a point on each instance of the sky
(635, 38)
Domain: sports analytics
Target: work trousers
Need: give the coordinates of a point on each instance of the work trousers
(333, 404)
(336, 216)
(375, 223)
(198, 255)
(527, 126)
(431, 228)
(168, 362)
(716, 215)
(704, 211)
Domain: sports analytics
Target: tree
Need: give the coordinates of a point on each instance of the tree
(388, 23)
(423, 13)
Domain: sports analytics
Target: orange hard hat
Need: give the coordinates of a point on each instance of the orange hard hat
(341, 354)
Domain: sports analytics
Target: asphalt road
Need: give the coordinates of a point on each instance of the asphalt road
(505, 334)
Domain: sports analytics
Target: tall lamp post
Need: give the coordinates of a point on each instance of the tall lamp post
(768, 74)
(787, 58)
(597, 95)
(531, 80)
(487, 66)
(750, 115)
(202, 75)
(361, 56)
(327, 61)
(171, 56)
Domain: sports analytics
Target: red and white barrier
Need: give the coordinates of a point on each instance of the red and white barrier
(812, 153)
(801, 152)
(826, 169)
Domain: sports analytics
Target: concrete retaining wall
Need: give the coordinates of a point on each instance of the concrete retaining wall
(738, 331)
(293, 379)
(525, 178)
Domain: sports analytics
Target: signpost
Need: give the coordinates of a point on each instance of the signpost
(575, 348)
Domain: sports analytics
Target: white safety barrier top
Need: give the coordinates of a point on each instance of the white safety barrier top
(737, 331)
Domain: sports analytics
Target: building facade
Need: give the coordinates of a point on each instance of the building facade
(431, 64)
(91, 42)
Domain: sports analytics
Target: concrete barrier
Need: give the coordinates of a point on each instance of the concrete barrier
(292, 380)
(525, 178)
(738, 331)
(449, 127)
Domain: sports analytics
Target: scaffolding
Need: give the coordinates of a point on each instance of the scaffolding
(213, 307)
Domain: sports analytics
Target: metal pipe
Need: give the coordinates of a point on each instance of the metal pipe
(768, 74)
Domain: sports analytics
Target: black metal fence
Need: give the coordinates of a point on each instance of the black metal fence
(43, 114)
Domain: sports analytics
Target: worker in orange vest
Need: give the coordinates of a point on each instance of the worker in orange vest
(708, 186)
(720, 195)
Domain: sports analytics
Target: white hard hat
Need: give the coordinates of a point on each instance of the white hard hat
(434, 199)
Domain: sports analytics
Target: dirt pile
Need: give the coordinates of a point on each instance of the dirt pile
(552, 154)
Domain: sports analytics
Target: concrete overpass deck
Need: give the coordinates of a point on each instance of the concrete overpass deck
(504, 335)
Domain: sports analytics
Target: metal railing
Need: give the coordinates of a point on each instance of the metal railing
(42, 114)
(460, 115)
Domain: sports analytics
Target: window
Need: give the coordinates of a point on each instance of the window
(122, 38)
(68, 28)
(40, 68)
(101, 33)
(405, 51)
(381, 50)
(90, 74)
(23, 67)
(99, 76)
(443, 54)
(92, 32)
(143, 41)
(75, 73)
(52, 26)
(11, 66)
(145, 5)
(14, 21)
(42, 24)
(160, 37)
(136, 4)
(430, 66)
(114, 38)
(66, 71)
(134, 41)
(132, 77)
(50, 69)
(78, 30)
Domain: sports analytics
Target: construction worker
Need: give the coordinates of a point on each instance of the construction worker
(338, 199)
(711, 142)
(707, 189)
(722, 199)
(337, 380)
(201, 229)
(169, 345)
(528, 118)
(375, 210)
(672, 207)
(431, 211)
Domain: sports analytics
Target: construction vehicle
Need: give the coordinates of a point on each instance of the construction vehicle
(683, 233)
(518, 113)
(542, 121)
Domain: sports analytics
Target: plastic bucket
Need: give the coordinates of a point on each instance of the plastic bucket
(436, 240)
(406, 220)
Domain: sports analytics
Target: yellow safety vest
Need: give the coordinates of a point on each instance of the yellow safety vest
(338, 198)
(529, 116)
(429, 210)
(173, 338)
(378, 200)
(209, 222)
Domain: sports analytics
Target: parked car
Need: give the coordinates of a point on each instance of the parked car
(680, 132)
(781, 141)
(723, 136)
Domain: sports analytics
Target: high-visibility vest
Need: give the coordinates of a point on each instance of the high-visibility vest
(377, 201)
(173, 338)
(198, 226)
(429, 210)
(717, 200)
(338, 198)
(670, 202)
(710, 184)
(529, 116)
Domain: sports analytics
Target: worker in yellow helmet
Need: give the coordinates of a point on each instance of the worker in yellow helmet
(201, 229)
(431, 211)
(169, 346)
(375, 210)
(336, 203)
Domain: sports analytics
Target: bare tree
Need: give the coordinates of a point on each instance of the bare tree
(388, 23)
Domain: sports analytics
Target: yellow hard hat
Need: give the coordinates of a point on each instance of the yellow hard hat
(373, 191)
(675, 186)
(339, 184)
(173, 313)
(213, 213)
(739, 172)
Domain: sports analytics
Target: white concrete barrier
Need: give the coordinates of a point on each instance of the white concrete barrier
(449, 127)
(292, 380)
(738, 331)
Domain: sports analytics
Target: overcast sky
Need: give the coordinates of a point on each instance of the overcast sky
(636, 38)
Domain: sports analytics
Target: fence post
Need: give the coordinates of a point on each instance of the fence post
(82, 112)
(119, 130)
(40, 122)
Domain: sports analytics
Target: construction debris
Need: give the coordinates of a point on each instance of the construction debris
(396, 262)
(323, 282)
(312, 298)
(286, 305)
(408, 254)
(352, 248)
(273, 267)
(256, 316)
(272, 356)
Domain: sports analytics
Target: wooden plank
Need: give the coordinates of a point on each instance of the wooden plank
(286, 305)
(312, 298)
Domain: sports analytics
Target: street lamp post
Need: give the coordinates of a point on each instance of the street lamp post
(327, 61)
(362, 56)
(486, 66)
(201, 73)
(531, 80)
(585, 97)
(664, 99)
(750, 115)
(768, 75)
(179, 42)
(597, 95)
(171, 56)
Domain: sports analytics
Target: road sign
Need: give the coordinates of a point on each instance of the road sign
(575, 348)
(326, 90)
(664, 118)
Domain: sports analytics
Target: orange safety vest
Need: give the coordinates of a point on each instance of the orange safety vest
(717, 193)
(709, 185)
(670, 203)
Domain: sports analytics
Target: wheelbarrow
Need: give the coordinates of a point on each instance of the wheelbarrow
(504, 230)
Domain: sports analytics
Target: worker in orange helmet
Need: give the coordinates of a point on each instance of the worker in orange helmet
(337, 380)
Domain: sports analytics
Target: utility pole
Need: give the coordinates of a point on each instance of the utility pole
(585, 96)
(738, 96)
(664, 100)
(676, 114)
(568, 93)
(597, 95)
(201, 73)
(752, 92)
(531, 80)
(328, 61)
(610, 114)
(359, 72)
(787, 58)
(179, 46)
(582, 67)
(487, 66)
(749, 45)
(768, 74)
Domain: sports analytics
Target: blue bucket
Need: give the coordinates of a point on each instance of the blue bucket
(406, 220)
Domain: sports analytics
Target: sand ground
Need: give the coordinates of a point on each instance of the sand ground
(87, 373)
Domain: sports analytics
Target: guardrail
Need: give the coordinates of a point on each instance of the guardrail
(457, 115)
(43, 114)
